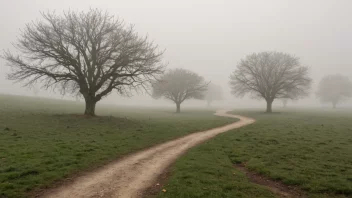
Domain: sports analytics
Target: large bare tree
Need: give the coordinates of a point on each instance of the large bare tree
(179, 85)
(89, 53)
(270, 75)
(334, 89)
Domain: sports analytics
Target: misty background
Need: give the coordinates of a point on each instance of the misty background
(209, 37)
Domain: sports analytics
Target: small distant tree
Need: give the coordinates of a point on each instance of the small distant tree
(284, 102)
(334, 89)
(179, 85)
(35, 91)
(213, 93)
(88, 53)
(270, 75)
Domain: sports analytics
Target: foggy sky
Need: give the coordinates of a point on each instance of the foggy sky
(210, 37)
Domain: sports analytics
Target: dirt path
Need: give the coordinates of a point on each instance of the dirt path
(277, 187)
(130, 176)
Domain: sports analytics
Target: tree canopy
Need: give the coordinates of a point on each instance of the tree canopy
(334, 89)
(85, 53)
(179, 85)
(270, 75)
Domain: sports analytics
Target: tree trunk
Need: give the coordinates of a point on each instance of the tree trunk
(269, 106)
(178, 107)
(90, 107)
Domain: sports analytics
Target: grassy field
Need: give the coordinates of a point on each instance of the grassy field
(309, 149)
(42, 141)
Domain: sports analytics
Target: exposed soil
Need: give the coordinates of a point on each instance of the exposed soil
(276, 187)
(158, 186)
(131, 176)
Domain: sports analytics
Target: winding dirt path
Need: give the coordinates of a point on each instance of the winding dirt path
(130, 176)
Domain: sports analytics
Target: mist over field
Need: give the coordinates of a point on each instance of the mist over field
(175, 99)
(210, 38)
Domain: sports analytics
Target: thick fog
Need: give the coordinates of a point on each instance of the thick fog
(211, 36)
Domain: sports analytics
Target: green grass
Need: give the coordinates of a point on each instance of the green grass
(207, 172)
(310, 149)
(43, 141)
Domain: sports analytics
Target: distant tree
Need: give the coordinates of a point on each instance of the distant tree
(35, 91)
(270, 75)
(284, 102)
(334, 89)
(179, 85)
(91, 53)
(213, 93)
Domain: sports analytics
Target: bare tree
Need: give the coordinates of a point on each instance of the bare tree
(179, 85)
(270, 75)
(334, 89)
(88, 53)
(213, 93)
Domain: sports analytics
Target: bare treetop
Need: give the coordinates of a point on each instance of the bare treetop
(270, 75)
(91, 53)
(179, 85)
